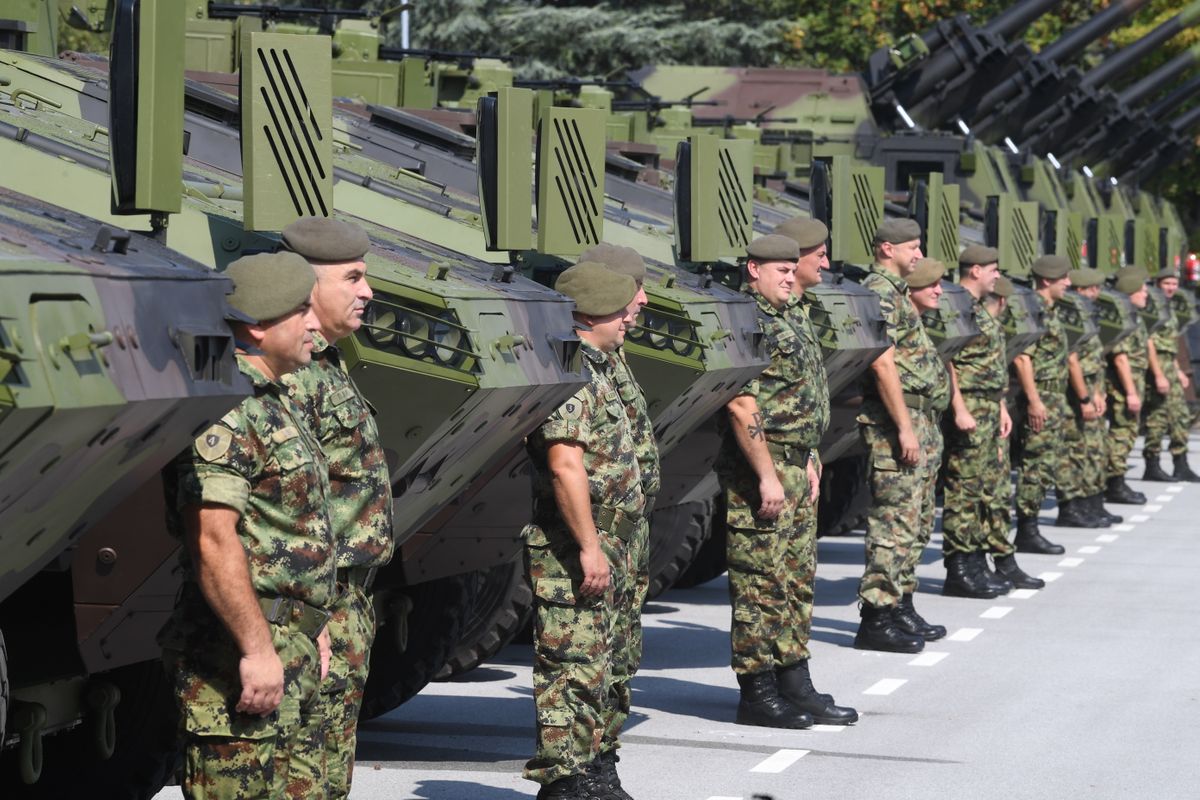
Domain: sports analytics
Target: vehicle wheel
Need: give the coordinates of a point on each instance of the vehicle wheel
(845, 496)
(709, 562)
(677, 534)
(503, 601)
(411, 647)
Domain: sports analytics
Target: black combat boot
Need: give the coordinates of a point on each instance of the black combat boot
(878, 631)
(604, 771)
(1182, 471)
(795, 685)
(962, 580)
(1029, 538)
(1001, 584)
(1007, 566)
(1097, 506)
(1118, 492)
(574, 787)
(761, 704)
(1074, 514)
(1155, 472)
(908, 620)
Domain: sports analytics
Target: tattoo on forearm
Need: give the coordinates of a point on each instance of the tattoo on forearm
(755, 428)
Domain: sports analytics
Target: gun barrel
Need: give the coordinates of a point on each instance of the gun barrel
(397, 53)
(1072, 42)
(1175, 99)
(1115, 65)
(229, 10)
(1015, 20)
(1161, 76)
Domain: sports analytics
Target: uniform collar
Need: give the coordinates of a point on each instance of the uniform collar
(892, 278)
(257, 377)
(594, 354)
(765, 306)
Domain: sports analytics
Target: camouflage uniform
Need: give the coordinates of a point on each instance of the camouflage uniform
(573, 633)
(973, 476)
(1082, 471)
(627, 638)
(1123, 425)
(999, 521)
(262, 462)
(899, 523)
(360, 511)
(1166, 415)
(773, 562)
(1042, 452)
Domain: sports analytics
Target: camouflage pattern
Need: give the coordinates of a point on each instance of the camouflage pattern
(972, 470)
(1081, 473)
(897, 528)
(1166, 415)
(261, 461)
(999, 519)
(573, 634)
(1122, 424)
(360, 510)
(772, 563)
(932, 445)
(1042, 452)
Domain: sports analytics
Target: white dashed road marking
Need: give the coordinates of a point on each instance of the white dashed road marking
(779, 761)
(927, 659)
(1021, 594)
(886, 686)
(1139, 518)
(1050, 577)
(1070, 562)
(723, 797)
(1107, 538)
(1152, 508)
(1164, 498)
(964, 634)
(1174, 489)
(996, 612)
(1125, 528)
(1090, 549)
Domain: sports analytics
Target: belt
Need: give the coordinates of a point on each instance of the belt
(614, 521)
(1058, 384)
(986, 394)
(294, 613)
(918, 401)
(362, 577)
(789, 454)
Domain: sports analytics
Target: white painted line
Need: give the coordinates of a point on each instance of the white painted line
(1050, 577)
(1070, 562)
(832, 728)
(1021, 594)
(779, 761)
(1139, 518)
(1152, 508)
(886, 686)
(723, 797)
(1090, 549)
(1174, 489)
(964, 635)
(996, 612)
(1164, 498)
(1124, 527)
(1107, 538)
(927, 659)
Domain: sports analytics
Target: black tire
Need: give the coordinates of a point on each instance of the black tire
(503, 602)
(845, 496)
(434, 626)
(677, 534)
(709, 562)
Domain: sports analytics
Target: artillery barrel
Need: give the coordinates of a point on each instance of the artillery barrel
(1017, 18)
(1175, 99)
(1119, 63)
(1161, 76)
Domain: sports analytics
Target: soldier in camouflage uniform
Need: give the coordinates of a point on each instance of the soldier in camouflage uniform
(360, 507)
(769, 472)
(627, 638)
(900, 393)
(1042, 373)
(246, 647)
(1126, 374)
(1000, 498)
(979, 431)
(1166, 410)
(588, 504)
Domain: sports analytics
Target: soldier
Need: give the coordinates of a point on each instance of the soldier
(1081, 479)
(246, 647)
(1127, 364)
(627, 639)
(900, 393)
(981, 426)
(360, 507)
(587, 505)
(1042, 374)
(770, 476)
(1000, 500)
(1166, 410)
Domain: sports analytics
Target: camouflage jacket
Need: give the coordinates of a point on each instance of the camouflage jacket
(922, 371)
(1166, 339)
(360, 502)
(639, 419)
(263, 462)
(596, 420)
(982, 366)
(1049, 353)
(1091, 359)
(1134, 346)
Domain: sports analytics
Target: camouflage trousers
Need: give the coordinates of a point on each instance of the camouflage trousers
(1166, 415)
(627, 634)
(1042, 451)
(232, 755)
(772, 571)
(899, 523)
(351, 632)
(999, 520)
(1082, 470)
(972, 477)
(1122, 427)
(573, 651)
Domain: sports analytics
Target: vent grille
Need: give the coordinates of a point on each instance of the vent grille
(948, 220)
(1024, 235)
(575, 182)
(293, 132)
(866, 210)
(570, 180)
(733, 202)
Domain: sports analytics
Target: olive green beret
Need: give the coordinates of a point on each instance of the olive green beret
(927, 272)
(597, 290)
(1130, 279)
(267, 286)
(326, 239)
(1169, 272)
(897, 231)
(624, 260)
(773, 247)
(1051, 267)
(978, 254)
(1003, 287)
(1085, 277)
(808, 233)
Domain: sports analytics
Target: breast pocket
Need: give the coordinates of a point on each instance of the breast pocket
(351, 413)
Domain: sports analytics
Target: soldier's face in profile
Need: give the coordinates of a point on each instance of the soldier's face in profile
(608, 332)
(1169, 286)
(340, 296)
(773, 280)
(1139, 297)
(926, 298)
(1057, 287)
(1090, 292)
(988, 275)
(808, 268)
(287, 342)
(906, 255)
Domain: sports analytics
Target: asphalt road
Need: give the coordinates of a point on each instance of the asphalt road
(1087, 688)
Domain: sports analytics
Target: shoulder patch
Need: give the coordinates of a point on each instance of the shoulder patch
(214, 442)
(572, 409)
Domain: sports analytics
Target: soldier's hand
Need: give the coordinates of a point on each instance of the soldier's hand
(770, 490)
(1134, 403)
(1005, 422)
(814, 483)
(1162, 385)
(325, 650)
(1184, 379)
(1101, 402)
(1037, 416)
(261, 675)
(596, 575)
(965, 422)
(910, 448)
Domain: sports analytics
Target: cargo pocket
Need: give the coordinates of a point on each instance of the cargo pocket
(559, 591)
(215, 719)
